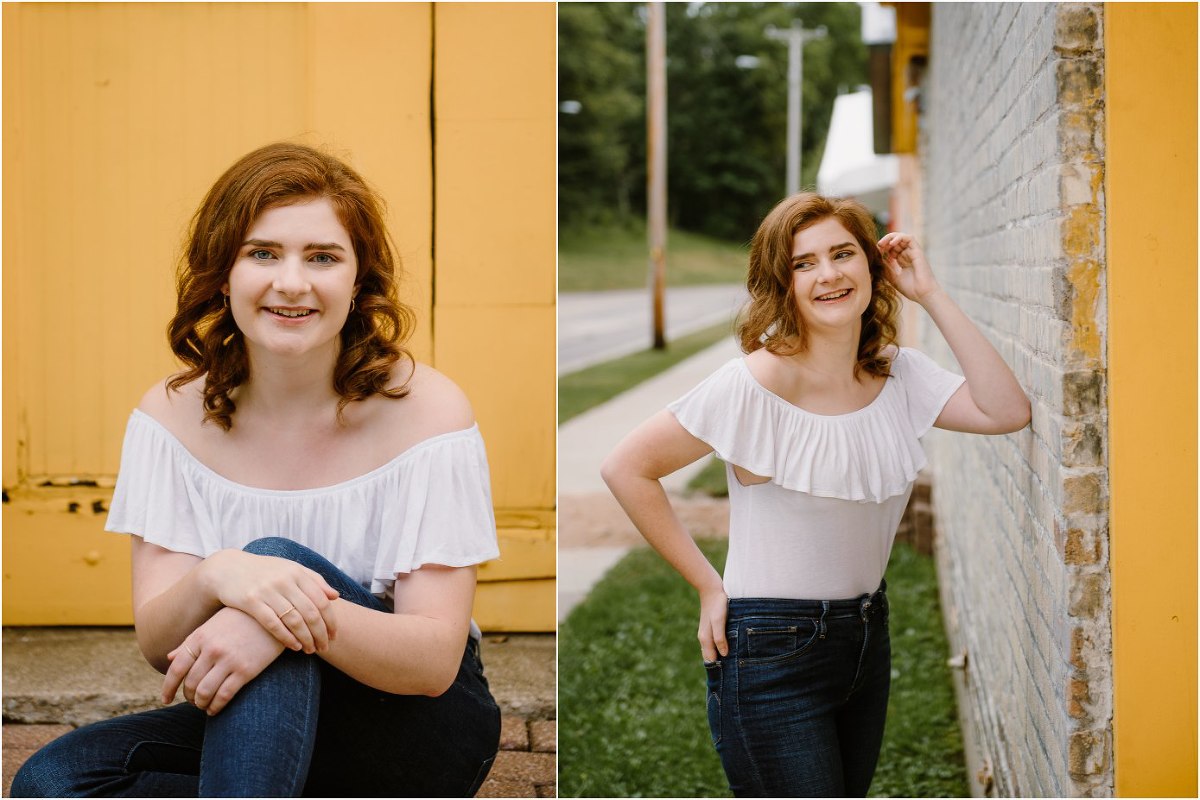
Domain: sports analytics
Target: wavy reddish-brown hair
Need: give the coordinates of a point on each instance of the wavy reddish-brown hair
(772, 317)
(203, 334)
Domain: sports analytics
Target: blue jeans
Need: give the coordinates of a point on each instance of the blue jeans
(797, 707)
(300, 727)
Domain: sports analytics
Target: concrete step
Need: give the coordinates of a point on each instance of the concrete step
(74, 676)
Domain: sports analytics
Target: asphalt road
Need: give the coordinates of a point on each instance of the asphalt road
(598, 326)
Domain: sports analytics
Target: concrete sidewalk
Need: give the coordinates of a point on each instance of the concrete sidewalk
(56, 679)
(584, 441)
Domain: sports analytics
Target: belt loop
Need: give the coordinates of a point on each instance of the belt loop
(821, 624)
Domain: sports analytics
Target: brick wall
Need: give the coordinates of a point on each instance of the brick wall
(1012, 169)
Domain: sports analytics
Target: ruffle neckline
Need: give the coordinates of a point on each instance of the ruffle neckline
(430, 504)
(867, 455)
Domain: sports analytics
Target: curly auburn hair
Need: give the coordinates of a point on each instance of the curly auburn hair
(203, 334)
(772, 317)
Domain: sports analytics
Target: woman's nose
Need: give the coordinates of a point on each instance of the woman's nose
(827, 271)
(290, 278)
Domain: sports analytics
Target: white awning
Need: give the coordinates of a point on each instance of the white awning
(850, 167)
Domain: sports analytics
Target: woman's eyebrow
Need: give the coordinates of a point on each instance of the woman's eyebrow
(835, 247)
(311, 246)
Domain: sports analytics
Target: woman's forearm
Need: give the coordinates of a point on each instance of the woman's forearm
(646, 503)
(397, 653)
(993, 387)
(166, 619)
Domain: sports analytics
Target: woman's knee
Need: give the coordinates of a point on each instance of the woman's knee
(52, 771)
(280, 547)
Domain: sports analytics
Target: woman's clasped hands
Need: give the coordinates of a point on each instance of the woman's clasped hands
(269, 604)
(290, 601)
(217, 659)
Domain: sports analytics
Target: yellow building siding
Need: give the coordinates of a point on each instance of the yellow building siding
(1150, 83)
(118, 117)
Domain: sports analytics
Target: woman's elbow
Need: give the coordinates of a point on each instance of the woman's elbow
(440, 678)
(611, 469)
(1019, 415)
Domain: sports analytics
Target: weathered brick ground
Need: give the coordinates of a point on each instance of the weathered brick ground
(525, 766)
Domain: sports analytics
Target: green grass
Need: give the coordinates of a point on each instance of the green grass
(579, 391)
(631, 689)
(711, 480)
(616, 257)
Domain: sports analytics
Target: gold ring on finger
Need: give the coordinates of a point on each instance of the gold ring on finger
(195, 656)
(285, 613)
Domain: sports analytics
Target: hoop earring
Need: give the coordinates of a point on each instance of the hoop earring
(225, 299)
(351, 305)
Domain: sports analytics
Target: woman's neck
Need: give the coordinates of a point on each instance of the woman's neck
(831, 355)
(283, 389)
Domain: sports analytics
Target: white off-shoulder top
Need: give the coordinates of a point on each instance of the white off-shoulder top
(822, 527)
(431, 504)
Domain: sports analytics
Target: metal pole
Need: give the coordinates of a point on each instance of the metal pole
(795, 37)
(656, 151)
(795, 82)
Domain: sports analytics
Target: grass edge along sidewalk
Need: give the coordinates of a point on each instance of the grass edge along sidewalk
(613, 256)
(599, 383)
(631, 689)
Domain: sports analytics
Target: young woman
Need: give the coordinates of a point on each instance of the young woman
(819, 427)
(307, 507)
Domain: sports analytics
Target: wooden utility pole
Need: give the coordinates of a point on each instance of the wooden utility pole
(656, 154)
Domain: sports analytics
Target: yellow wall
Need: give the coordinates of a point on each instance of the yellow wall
(912, 42)
(1150, 82)
(117, 118)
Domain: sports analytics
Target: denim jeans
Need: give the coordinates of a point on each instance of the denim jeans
(797, 707)
(300, 727)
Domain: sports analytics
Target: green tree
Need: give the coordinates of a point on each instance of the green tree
(726, 125)
(601, 141)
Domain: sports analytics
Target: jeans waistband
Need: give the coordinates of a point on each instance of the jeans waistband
(746, 607)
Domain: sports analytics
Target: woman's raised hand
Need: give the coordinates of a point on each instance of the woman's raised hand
(290, 601)
(906, 268)
(217, 659)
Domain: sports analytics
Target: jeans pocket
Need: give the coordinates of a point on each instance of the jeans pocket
(779, 642)
(713, 671)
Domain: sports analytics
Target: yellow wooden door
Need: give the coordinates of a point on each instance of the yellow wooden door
(117, 118)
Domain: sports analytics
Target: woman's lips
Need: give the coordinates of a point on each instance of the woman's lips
(291, 316)
(837, 298)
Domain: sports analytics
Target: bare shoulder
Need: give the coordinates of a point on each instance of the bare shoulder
(434, 404)
(174, 409)
(770, 370)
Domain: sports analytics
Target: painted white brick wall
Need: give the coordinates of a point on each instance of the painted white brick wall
(1012, 180)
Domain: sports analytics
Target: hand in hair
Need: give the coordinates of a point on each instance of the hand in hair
(906, 267)
(291, 602)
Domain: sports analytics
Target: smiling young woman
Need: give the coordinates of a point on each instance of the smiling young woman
(819, 427)
(307, 507)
